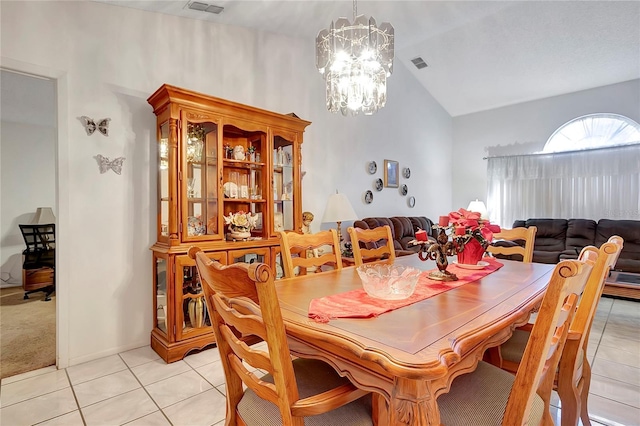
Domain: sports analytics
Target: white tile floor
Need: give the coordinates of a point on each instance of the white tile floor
(138, 388)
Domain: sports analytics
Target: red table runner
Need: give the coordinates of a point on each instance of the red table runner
(358, 304)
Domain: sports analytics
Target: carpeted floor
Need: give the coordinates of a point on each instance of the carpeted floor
(27, 332)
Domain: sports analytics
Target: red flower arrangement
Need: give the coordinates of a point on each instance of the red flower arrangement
(465, 222)
(470, 233)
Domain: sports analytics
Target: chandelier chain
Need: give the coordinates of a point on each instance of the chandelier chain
(355, 10)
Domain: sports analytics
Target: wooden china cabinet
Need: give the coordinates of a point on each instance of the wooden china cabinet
(215, 158)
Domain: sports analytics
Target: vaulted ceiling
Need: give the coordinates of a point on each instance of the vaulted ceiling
(480, 54)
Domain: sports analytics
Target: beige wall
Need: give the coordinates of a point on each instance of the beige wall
(108, 60)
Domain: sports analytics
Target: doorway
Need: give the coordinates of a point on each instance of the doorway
(28, 156)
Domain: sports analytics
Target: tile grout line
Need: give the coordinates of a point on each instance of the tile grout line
(66, 371)
(145, 390)
(36, 396)
(74, 397)
(212, 385)
(604, 328)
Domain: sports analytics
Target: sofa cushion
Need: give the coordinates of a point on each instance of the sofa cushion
(404, 232)
(520, 224)
(570, 254)
(629, 230)
(421, 222)
(374, 222)
(551, 235)
(546, 256)
(580, 233)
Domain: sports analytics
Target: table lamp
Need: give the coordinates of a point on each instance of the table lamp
(478, 206)
(338, 210)
(43, 216)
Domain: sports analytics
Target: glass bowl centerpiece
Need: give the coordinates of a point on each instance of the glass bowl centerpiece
(388, 281)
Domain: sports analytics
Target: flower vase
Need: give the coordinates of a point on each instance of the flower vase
(472, 253)
(237, 234)
(197, 312)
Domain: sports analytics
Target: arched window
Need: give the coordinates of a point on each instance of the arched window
(594, 131)
(590, 169)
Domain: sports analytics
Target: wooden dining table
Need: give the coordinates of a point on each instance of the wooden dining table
(409, 356)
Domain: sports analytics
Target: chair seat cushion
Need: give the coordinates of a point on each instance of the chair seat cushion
(480, 398)
(512, 349)
(313, 377)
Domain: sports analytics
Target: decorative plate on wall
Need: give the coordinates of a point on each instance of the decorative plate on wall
(373, 167)
(404, 190)
(368, 197)
(406, 173)
(379, 184)
(411, 202)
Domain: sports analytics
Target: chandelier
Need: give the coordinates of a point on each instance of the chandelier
(355, 60)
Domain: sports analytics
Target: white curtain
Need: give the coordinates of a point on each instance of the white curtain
(593, 184)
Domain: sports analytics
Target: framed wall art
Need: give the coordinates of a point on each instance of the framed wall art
(391, 174)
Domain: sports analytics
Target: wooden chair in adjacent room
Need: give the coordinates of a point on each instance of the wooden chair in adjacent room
(573, 377)
(491, 396)
(294, 392)
(39, 259)
(299, 251)
(528, 235)
(369, 245)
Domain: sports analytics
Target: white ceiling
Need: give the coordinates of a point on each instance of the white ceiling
(481, 54)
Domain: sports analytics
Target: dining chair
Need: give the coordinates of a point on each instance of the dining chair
(293, 392)
(299, 251)
(507, 245)
(492, 396)
(573, 376)
(371, 244)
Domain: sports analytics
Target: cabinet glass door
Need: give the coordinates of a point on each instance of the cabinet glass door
(244, 181)
(163, 182)
(199, 184)
(252, 255)
(192, 317)
(283, 184)
(160, 281)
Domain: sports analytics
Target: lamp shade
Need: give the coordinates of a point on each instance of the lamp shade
(338, 209)
(43, 216)
(478, 206)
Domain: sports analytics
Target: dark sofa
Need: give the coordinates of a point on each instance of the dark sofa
(559, 239)
(403, 229)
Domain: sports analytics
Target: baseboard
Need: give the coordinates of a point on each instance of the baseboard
(10, 285)
(114, 351)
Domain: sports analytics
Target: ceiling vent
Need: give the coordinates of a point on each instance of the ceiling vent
(204, 7)
(419, 63)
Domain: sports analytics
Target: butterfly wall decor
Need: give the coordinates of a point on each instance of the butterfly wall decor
(91, 126)
(106, 164)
